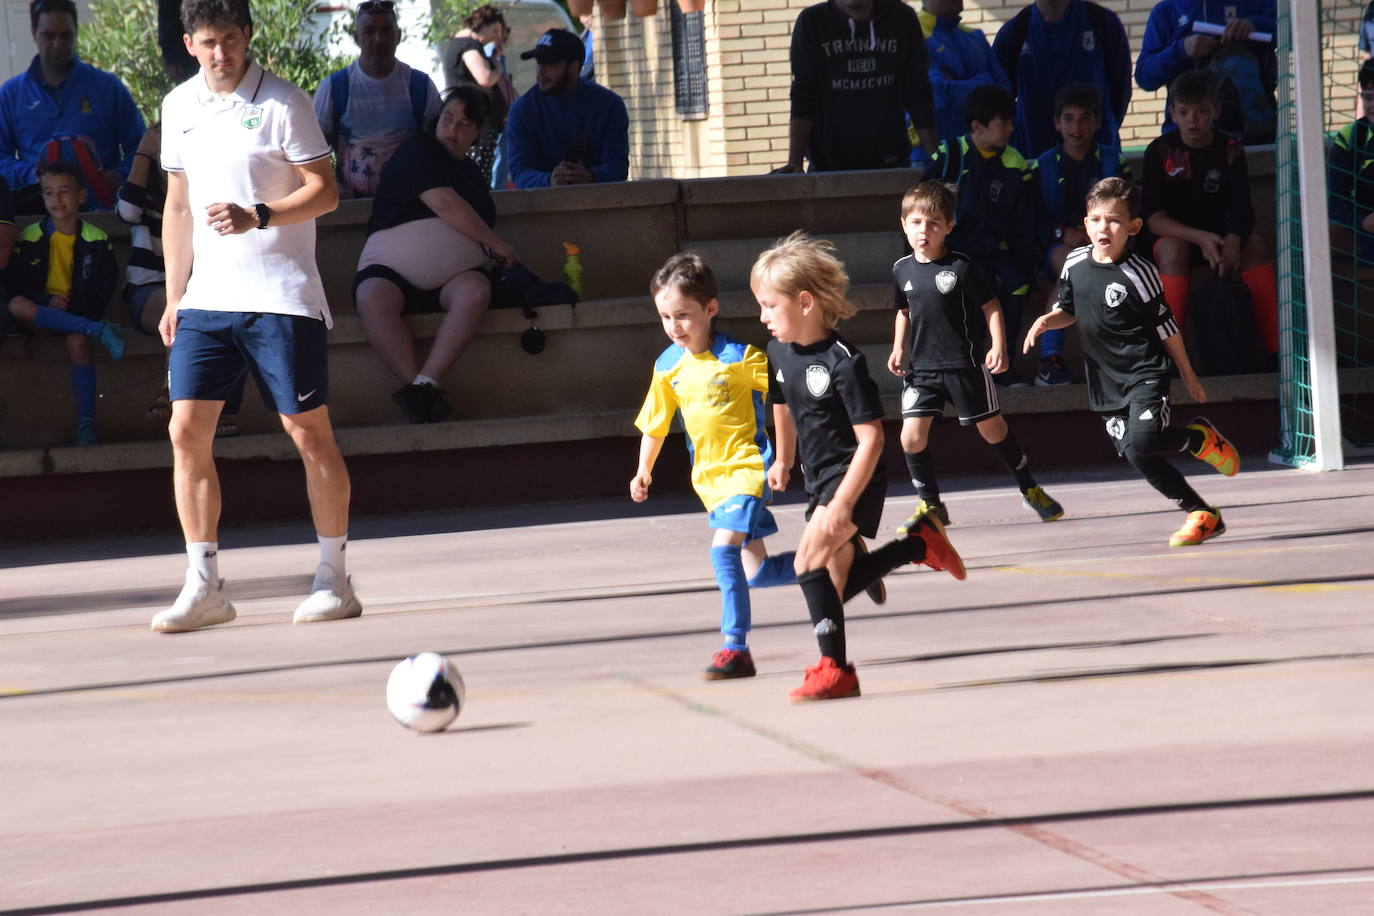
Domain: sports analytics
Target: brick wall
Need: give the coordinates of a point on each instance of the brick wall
(745, 132)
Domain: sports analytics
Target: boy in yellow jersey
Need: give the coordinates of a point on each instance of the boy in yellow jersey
(62, 276)
(719, 386)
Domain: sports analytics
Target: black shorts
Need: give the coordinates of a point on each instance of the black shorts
(1145, 416)
(971, 391)
(417, 301)
(868, 508)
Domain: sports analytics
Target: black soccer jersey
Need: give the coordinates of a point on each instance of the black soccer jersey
(827, 389)
(1122, 324)
(945, 299)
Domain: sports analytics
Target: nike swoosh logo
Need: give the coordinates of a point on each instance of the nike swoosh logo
(301, 398)
(187, 130)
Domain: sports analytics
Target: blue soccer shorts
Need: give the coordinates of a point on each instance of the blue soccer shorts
(748, 515)
(214, 351)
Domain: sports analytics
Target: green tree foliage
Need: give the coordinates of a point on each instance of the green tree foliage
(447, 18)
(121, 36)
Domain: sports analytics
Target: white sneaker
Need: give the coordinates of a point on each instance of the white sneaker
(197, 606)
(329, 604)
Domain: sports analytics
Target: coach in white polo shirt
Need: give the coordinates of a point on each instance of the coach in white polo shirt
(248, 172)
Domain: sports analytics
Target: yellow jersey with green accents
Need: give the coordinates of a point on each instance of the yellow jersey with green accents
(720, 394)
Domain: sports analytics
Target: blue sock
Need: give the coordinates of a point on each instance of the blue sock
(735, 612)
(83, 385)
(777, 569)
(1052, 342)
(58, 320)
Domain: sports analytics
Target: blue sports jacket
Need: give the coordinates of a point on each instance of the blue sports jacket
(89, 102)
(589, 125)
(1161, 51)
(959, 58)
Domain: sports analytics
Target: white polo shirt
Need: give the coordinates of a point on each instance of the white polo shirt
(242, 150)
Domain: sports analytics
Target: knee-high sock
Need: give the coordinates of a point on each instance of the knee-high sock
(776, 569)
(827, 613)
(1013, 457)
(1166, 478)
(921, 466)
(1264, 299)
(83, 386)
(57, 320)
(1052, 342)
(1176, 295)
(735, 611)
(870, 567)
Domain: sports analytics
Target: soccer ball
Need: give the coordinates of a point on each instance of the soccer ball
(425, 692)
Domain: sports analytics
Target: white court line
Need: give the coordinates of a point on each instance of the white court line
(1200, 886)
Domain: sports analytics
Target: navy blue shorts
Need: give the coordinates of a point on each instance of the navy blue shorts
(213, 352)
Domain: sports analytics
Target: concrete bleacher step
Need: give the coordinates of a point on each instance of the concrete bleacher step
(868, 256)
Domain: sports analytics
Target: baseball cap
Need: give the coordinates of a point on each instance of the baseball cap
(556, 45)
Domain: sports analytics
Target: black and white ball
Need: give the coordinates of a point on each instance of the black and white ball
(425, 692)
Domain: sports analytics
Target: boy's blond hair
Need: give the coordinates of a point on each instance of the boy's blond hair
(1122, 189)
(931, 197)
(800, 262)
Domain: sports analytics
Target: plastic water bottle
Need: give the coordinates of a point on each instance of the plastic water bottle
(572, 267)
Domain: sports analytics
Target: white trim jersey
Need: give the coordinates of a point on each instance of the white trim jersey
(243, 149)
(719, 394)
(827, 389)
(944, 299)
(1123, 322)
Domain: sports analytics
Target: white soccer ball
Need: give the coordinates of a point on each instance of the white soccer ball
(425, 692)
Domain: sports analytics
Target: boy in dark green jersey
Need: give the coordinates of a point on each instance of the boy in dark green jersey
(1130, 342)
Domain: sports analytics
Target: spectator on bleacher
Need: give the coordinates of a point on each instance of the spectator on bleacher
(960, 58)
(1246, 70)
(372, 106)
(995, 220)
(62, 280)
(468, 62)
(565, 130)
(1196, 202)
(1350, 172)
(427, 250)
(176, 60)
(1065, 174)
(859, 69)
(62, 107)
(1051, 43)
(588, 71)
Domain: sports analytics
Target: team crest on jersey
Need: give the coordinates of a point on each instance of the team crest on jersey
(1089, 40)
(995, 190)
(252, 117)
(1116, 294)
(945, 280)
(817, 380)
(1211, 183)
(1116, 427)
(86, 106)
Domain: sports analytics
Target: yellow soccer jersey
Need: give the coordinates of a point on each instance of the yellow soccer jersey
(60, 258)
(720, 394)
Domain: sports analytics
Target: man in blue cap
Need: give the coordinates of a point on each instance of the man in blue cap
(566, 130)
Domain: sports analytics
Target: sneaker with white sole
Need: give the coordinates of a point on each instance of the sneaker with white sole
(198, 606)
(337, 603)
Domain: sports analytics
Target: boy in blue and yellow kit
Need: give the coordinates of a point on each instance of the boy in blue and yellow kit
(719, 387)
(61, 278)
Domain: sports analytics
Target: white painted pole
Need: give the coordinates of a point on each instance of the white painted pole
(1316, 245)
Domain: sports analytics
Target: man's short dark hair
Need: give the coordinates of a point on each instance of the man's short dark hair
(199, 14)
(39, 7)
(373, 8)
(62, 167)
(1194, 87)
(985, 103)
(1366, 76)
(1079, 95)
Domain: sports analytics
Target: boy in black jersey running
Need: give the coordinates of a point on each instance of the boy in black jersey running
(949, 330)
(827, 410)
(1129, 338)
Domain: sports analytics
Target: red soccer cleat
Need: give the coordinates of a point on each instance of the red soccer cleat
(827, 681)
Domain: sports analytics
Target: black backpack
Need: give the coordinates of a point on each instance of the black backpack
(1224, 329)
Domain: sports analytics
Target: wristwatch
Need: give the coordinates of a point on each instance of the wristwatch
(264, 215)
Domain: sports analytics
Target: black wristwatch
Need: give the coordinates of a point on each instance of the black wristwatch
(264, 215)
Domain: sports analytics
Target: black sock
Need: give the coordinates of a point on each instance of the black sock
(869, 568)
(1166, 478)
(827, 613)
(921, 466)
(1011, 454)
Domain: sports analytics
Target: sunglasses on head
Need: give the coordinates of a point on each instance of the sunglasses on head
(377, 6)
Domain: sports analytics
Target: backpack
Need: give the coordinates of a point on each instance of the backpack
(338, 98)
(1224, 329)
(1247, 81)
(80, 151)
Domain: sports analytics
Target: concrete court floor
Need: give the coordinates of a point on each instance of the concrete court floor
(1091, 723)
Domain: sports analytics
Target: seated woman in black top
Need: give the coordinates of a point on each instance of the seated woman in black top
(428, 244)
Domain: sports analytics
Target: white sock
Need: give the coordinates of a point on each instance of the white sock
(425, 380)
(203, 558)
(331, 571)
